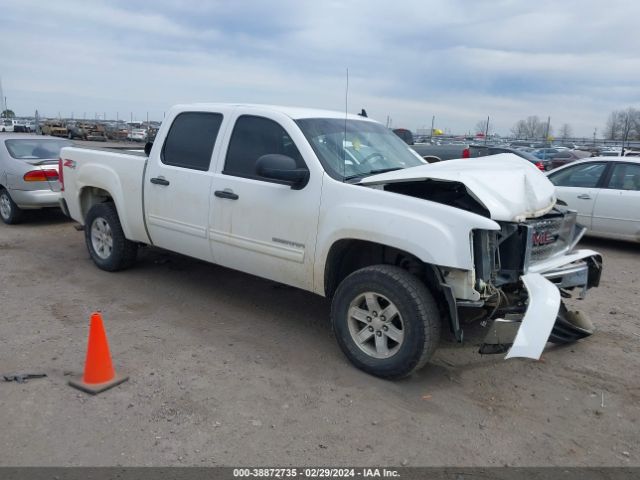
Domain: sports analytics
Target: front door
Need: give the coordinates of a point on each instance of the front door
(178, 184)
(260, 226)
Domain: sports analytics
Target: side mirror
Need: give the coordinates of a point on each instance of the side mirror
(147, 148)
(282, 168)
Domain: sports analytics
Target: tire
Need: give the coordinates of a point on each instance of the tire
(417, 319)
(10, 213)
(566, 330)
(107, 245)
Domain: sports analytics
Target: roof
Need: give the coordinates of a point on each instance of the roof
(607, 159)
(292, 112)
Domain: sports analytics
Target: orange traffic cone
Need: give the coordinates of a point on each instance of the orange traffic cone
(99, 374)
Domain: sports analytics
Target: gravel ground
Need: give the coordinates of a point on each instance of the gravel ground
(229, 369)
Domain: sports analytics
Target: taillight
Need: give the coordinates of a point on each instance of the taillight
(466, 153)
(41, 175)
(540, 166)
(61, 174)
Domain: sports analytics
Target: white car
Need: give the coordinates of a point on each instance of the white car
(605, 191)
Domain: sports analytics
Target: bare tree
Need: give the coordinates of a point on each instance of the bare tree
(565, 131)
(531, 127)
(612, 129)
(623, 125)
(481, 127)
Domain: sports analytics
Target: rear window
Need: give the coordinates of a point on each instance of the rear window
(35, 149)
(190, 141)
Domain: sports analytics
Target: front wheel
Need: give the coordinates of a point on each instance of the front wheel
(107, 245)
(9, 211)
(386, 321)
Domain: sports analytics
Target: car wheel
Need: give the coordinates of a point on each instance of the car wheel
(9, 211)
(107, 245)
(386, 321)
(569, 328)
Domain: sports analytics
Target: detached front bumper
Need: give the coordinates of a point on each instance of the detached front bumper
(545, 282)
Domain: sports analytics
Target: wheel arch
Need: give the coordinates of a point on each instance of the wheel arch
(348, 255)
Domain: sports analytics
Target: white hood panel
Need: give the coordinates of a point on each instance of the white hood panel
(510, 187)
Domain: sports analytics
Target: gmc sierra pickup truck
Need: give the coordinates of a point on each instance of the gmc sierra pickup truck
(341, 207)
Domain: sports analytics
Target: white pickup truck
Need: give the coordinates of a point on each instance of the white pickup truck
(338, 205)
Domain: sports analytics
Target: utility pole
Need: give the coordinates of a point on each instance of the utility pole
(486, 131)
(433, 122)
(546, 136)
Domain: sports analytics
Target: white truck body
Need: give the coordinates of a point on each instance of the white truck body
(291, 235)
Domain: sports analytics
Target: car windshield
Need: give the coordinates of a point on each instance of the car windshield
(35, 149)
(353, 149)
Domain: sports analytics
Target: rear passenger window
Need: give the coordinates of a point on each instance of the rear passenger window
(252, 138)
(190, 140)
(625, 176)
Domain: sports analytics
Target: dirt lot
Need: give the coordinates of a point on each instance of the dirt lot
(229, 369)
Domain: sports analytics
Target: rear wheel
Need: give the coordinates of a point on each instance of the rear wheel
(386, 321)
(9, 211)
(107, 245)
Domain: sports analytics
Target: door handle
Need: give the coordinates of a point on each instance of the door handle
(584, 196)
(159, 181)
(226, 194)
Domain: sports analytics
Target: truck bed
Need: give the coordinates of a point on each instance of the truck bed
(121, 173)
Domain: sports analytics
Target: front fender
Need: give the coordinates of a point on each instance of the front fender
(436, 234)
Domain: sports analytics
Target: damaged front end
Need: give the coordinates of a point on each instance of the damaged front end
(521, 273)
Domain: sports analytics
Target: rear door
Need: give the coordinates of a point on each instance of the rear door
(578, 187)
(177, 185)
(617, 208)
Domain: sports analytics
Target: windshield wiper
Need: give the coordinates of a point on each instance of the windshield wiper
(372, 172)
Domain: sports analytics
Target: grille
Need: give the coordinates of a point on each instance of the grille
(550, 236)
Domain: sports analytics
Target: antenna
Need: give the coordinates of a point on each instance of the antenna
(344, 140)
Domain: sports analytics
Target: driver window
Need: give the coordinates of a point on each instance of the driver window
(252, 138)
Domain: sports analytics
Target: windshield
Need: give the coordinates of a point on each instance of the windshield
(36, 149)
(367, 149)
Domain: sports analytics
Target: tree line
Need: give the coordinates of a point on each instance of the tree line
(623, 125)
(534, 127)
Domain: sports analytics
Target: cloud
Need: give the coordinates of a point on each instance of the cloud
(459, 60)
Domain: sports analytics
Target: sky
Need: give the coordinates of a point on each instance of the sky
(460, 60)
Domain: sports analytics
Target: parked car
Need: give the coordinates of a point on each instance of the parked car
(545, 153)
(484, 150)
(405, 135)
(399, 246)
(565, 156)
(605, 191)
(7, 125)
(28, 174)
(447, 151)
(55, 129)
(137, 135)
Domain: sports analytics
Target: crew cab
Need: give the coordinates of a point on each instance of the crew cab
(344, 208)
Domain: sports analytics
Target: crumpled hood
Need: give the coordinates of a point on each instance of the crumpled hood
(510, 187)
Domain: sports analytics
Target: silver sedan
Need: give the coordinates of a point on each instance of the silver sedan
(28, 174)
